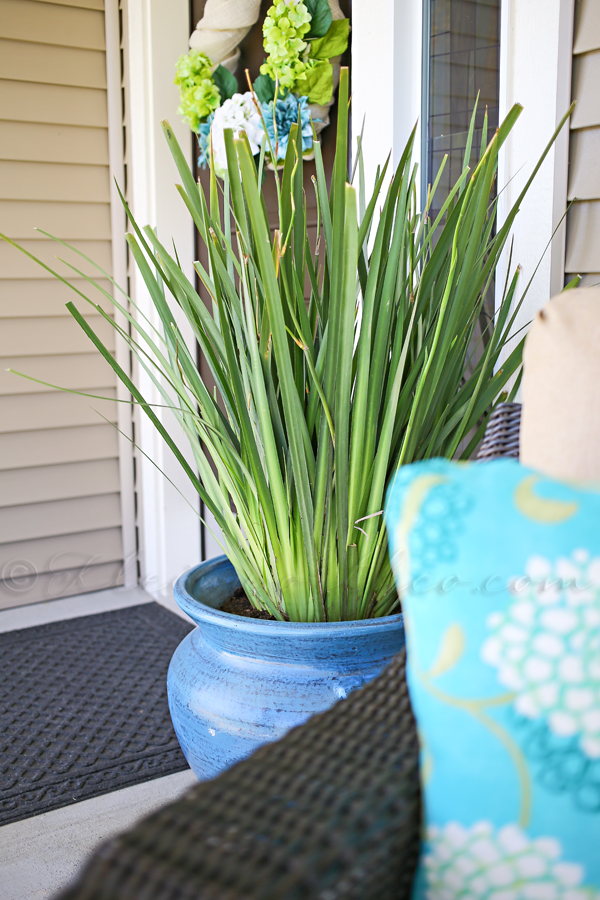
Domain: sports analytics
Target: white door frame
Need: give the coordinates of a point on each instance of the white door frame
(156, 34)
(116, 153)
(386, 79)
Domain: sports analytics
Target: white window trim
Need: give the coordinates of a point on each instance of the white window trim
(535, 70)
(168, 513)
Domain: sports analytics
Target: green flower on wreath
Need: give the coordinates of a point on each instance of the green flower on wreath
(283, 30)
(199, 94)
(300, 40)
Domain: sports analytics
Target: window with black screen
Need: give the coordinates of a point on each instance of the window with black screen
(461, 60)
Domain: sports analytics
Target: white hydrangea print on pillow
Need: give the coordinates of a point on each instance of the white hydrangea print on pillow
(546, 646)
(479, 863)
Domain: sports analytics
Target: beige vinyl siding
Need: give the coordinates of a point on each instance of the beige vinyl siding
(59, 482)
(55, 143)
(58, 445)
(32, 412)
(81, 4)
(49, 302)
(40, 553)
(27, 583)
(54, 181)
(53, 23)
(52, 104)
(70, 66)
(59, 334)
(583, 220)
(80, 371)
(60, 505)
(90, 221)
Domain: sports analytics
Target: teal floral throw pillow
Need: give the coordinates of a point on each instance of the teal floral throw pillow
(498, 569)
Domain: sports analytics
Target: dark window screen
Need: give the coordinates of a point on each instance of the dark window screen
(461, 58)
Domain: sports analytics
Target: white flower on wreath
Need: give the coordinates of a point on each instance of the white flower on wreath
(481, 863)
(546, 646)
(240, 114)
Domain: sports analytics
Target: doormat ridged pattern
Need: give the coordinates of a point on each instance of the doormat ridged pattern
(83, 708)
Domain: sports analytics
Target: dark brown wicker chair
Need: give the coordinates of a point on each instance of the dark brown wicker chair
(330, 812)
(502, 433)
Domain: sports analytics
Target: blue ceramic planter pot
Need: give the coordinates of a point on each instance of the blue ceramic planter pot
(235, 683)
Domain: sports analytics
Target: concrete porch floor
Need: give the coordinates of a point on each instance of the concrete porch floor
(40, 855)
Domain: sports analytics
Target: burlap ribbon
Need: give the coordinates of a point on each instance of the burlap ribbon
(222, 28)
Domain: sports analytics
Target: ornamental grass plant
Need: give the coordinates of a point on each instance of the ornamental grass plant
(321, 394)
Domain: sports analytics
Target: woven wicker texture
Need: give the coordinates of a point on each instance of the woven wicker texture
(502, 433)
(330, 812)
(83, 708)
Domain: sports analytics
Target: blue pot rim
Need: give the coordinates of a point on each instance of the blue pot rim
(203, 613)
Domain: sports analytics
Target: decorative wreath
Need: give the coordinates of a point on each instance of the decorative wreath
(303, 43)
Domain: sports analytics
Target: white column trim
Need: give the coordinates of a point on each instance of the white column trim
(168, 521)
(116, 152)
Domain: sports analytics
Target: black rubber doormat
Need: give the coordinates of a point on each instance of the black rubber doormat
(83, 708)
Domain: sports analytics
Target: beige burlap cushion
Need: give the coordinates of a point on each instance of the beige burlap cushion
(560, 424)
